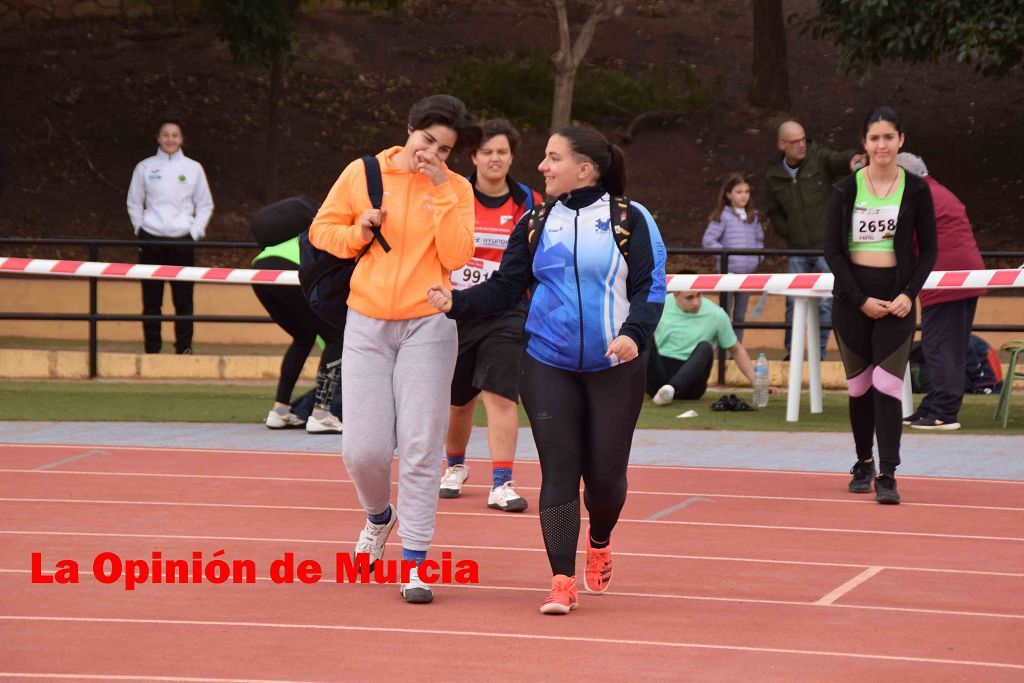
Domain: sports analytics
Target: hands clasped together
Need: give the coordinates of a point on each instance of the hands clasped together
(879, 308)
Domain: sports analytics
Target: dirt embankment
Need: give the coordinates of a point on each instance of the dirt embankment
(81, 99)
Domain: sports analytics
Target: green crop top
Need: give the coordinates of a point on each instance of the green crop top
(874, 219)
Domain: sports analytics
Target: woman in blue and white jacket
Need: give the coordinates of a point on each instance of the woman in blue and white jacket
(594, 305)
(735, 224)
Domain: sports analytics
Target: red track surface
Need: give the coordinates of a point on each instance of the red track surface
(762, 576)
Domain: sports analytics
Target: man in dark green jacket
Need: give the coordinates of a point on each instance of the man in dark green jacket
(798, 188)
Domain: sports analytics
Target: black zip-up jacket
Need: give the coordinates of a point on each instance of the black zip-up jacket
(584, 292)
(916, 217)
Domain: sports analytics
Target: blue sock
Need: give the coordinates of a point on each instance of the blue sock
(456, 458)
(382, 518)
(414, 555)
(502, 473)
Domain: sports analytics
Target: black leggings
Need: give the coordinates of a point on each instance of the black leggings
(583, 425)
(688, 377)
(289, 309)
(875, 356)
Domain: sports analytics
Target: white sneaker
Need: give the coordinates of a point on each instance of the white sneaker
(452, 481)
(373, 537)
(505, 498)
(287, 421)
(416, 591)
(664, 395)
(324, 425)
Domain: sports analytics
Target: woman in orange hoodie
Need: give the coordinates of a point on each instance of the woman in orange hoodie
(398, 349)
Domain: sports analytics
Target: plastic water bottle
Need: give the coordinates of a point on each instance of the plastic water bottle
(761, 382)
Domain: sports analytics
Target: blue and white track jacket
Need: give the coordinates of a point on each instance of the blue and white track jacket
(583, 292)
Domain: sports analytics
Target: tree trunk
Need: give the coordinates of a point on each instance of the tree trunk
(770, 85)
(570, 55)
(561, 106)
(270, 167)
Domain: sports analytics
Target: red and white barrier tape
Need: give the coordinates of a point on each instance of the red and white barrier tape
(134, 271)
(822, 282)
(758, 282)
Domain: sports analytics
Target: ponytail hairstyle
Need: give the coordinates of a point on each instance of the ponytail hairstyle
(731, 180)
(594, 147)
(883, 113)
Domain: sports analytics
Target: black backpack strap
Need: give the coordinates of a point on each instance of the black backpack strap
(620, 219)
(619, 208)
(375, 188)
(535, 226)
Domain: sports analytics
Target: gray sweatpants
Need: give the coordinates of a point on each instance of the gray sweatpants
(397, 377)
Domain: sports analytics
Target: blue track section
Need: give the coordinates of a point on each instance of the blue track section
(938, 455)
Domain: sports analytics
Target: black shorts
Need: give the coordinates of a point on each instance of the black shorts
(489, 352)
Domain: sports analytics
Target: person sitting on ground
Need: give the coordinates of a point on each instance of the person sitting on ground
(679, 362)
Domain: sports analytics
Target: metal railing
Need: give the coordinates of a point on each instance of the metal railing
(93, 317)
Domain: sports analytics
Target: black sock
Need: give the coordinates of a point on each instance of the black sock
(598, 545)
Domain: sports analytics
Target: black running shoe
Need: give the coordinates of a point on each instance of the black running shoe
(721, 405)
(885, 490)
(738, 405)
(863, 472)
(913, 417)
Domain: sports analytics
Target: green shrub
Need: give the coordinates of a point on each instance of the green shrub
(521, 88)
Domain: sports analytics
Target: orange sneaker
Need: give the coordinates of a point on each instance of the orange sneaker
(598, 573)
(563, 598)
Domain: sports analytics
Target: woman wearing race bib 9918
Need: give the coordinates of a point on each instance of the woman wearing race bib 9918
(875, 216)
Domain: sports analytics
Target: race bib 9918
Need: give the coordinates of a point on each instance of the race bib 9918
(473, 273)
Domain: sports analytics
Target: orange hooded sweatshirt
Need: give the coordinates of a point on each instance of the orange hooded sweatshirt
(429, 228)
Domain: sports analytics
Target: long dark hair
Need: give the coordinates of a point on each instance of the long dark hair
(608, 158)
(731, 181)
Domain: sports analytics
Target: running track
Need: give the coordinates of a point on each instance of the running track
(721, 575)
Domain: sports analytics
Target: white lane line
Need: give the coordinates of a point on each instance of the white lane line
(849, 586)
(677, 507)
(516, 636)
(73, 458)
(740, 496)
(690, 468)
(329, 579)
(139, 677)
(618, 553)
(492, 516)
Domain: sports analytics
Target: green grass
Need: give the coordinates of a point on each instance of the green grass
(248, 402)
(200, 349)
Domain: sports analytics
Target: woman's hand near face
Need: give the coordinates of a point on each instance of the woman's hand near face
(874, 308)
(429, 164)
(900, 306)
(623, 348)
(440, 297)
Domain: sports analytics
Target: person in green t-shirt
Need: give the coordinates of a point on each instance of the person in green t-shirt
(679, 362)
